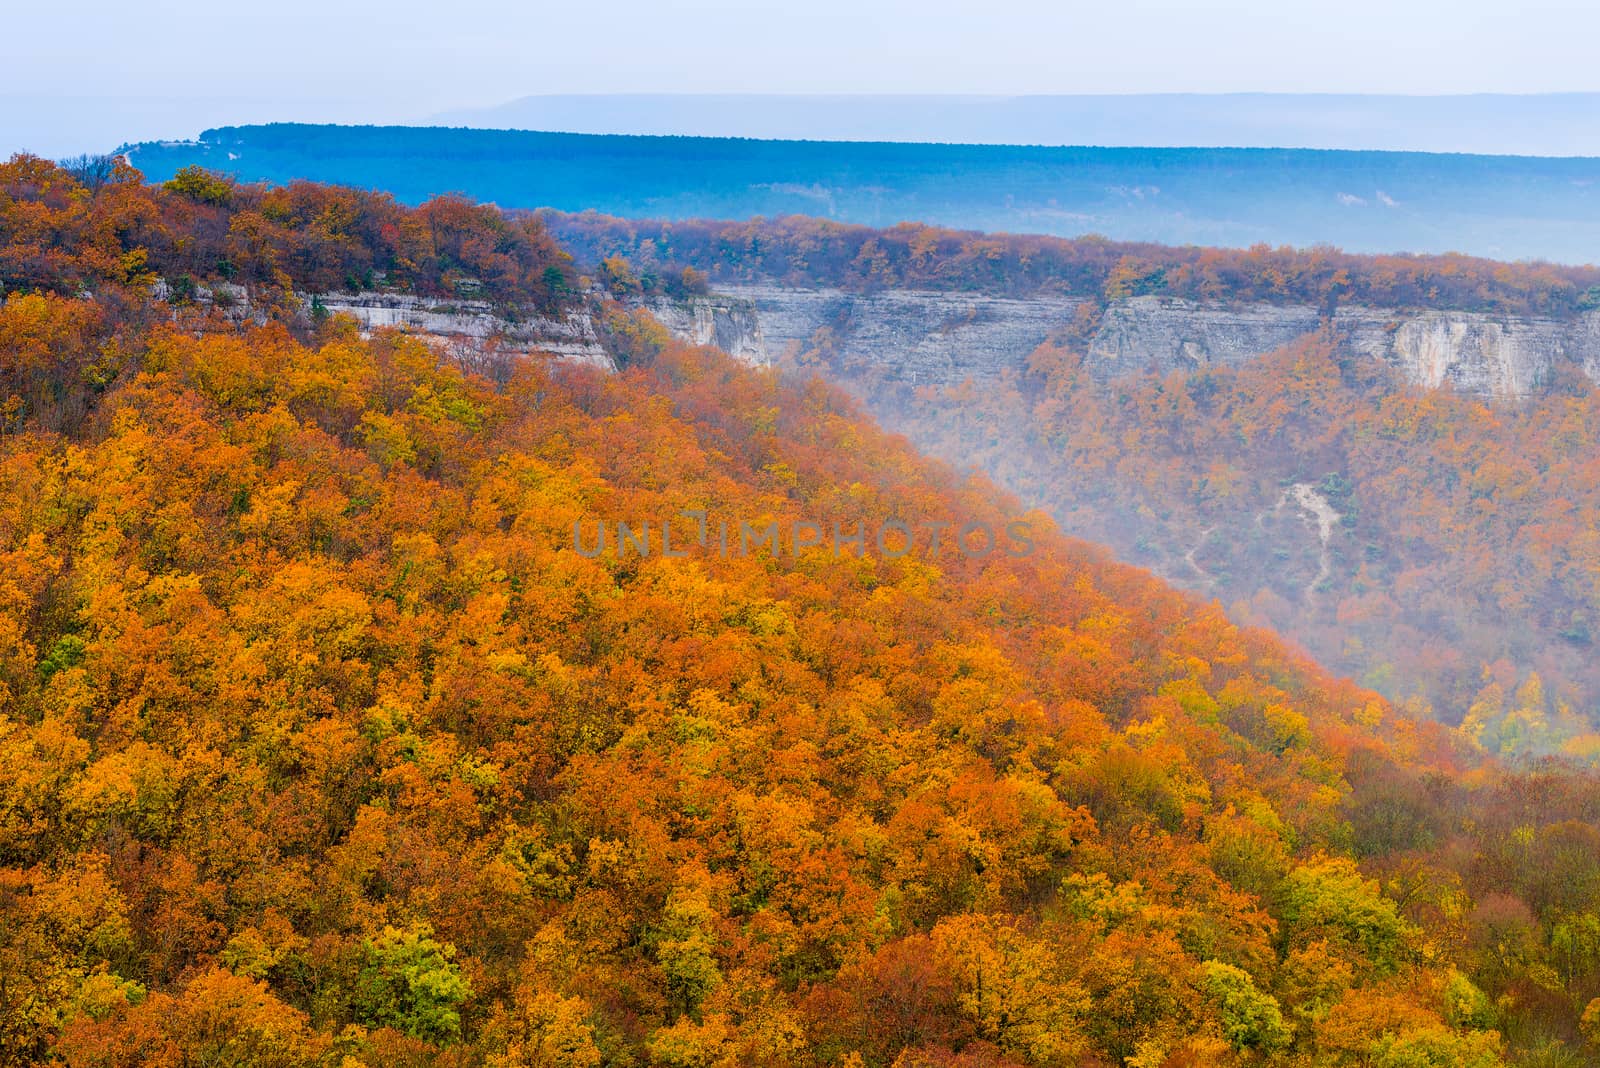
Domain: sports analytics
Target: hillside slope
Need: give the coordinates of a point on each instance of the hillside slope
(325, 741)
(1390, 460)
(1438, 547)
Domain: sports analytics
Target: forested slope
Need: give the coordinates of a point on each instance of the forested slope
(807, 251)
(1458, 566)
(1439, 547)
(323, 744)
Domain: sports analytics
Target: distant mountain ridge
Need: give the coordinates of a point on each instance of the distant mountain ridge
(1541, 124)
(1504, 207)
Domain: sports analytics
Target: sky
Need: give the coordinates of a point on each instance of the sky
(162, 68)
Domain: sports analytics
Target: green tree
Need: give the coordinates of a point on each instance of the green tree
(1328, 898)
(409, 981)
(686, 949)
(199, 184)
(1250, 1019)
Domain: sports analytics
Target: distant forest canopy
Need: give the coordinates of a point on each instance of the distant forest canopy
(1509, 207)
(201, 225)
(1523, 124)
(98, 223)
(803, 251)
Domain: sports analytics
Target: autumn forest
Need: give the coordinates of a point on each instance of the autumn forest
(1458, 570)
(321, 745)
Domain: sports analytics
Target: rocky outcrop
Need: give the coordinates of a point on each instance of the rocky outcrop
(477, 333)
(1498, 356)
(910, 336)
(476, 325)
(1166, 334)
(940, 338)
(730, 323)
(932, 338)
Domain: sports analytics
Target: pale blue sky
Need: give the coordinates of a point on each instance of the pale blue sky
(186, 65)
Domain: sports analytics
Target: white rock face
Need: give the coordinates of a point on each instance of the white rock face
(940, 338)
(922, 337)
(474, 323)
(1168, 334)
(730, 323)
(476, 333)
(1586, 340)
(913, 336)
(1502, 357)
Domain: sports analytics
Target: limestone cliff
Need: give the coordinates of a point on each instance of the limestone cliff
(1485, 355)
(913, 336)
(940, 338)
(477, 325)
(732, 324)
(1167, 334)
(476, 332)
(1502, 357)
(922, 337)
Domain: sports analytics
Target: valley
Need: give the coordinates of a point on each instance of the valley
(1448, 562)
